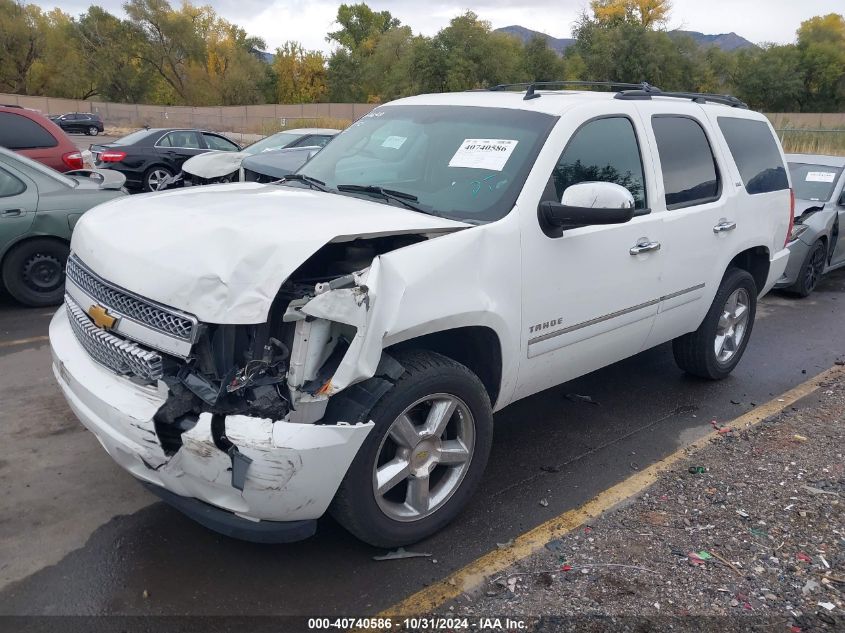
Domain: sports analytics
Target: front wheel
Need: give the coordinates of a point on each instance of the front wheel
(423, 459)
(717, 346)
(811, 272)
(34, 272)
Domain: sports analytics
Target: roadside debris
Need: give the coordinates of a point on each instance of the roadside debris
(401, 553)
(576, 397)
(752, 526)
(544, 503)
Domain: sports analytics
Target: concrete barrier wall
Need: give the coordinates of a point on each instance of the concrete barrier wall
(245, 119)
(260, 119)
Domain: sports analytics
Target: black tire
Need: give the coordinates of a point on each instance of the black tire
(812, 269)
(355, 506)
(153, 173)
(92, 131)
(34, 272)
(695, 352)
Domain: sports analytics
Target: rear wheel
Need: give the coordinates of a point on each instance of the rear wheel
(34, 272)
(811, 271)
(717, 346)
(156, 177)
(92, 131)
(423, 459)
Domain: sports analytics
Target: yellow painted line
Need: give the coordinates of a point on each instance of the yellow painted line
(428, 600)
(24, 341)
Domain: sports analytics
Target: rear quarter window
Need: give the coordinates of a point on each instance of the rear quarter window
(756, 154)
(20, 132)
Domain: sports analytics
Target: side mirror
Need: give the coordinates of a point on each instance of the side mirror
(587, 204)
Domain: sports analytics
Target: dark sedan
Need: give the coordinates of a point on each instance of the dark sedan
(149, 158)
(89, 123)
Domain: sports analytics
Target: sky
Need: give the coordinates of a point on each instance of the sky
(308, 21)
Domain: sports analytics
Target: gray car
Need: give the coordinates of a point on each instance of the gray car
(38, 210)
(815, 245)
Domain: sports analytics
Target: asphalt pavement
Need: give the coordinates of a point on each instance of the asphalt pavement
(79, 536)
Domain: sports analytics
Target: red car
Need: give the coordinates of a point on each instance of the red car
(34, 135)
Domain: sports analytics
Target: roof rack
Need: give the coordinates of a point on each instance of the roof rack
(531, 86)
(625, 91)
(697, 97)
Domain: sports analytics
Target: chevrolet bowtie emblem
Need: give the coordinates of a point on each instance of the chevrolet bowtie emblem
(100, 317)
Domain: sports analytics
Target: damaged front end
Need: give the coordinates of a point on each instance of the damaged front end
(230, 415)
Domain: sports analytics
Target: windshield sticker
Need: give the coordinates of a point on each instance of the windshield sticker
(483, 153)
(394, 142)
(820, 176)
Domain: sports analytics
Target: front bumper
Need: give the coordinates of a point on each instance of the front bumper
(798, 250)
(295, 468)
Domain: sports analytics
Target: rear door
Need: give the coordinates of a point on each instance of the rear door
(18, 204)
(700, 208)
(174, 148)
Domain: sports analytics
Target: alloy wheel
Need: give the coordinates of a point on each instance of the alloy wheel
(156, 178)
(424, 457)
(815, 269)
(732, 326)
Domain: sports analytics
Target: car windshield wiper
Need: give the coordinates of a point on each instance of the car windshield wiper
(314, 183)
(406, 199)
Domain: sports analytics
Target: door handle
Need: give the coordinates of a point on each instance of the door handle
(723, 226)
(644, 245)
(11, 213)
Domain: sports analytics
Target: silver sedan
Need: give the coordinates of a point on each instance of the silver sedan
(816, 246)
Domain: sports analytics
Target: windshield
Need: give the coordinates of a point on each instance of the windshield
(814, 182)
(462, 162)
(276, 141)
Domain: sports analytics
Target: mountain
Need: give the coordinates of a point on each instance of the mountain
(558, 44)
(725, 41)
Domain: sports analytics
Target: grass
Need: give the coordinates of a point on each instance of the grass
(805, 141)
(272, 126)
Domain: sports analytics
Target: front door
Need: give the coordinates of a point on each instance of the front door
(18, 204)
(590, 296)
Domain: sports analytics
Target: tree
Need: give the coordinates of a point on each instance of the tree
(22, 41)
(646, 13)
(541, 62)
(361, 26)
(770, 78)
(821, 42)
(300, 74)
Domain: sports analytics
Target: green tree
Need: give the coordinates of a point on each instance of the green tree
(541, 62)
(770, 78)
(821, 42)
(22, 41)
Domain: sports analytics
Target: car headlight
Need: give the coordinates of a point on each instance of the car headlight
(797, 231)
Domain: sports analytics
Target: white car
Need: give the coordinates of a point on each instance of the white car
(224, 166)
(260, 353)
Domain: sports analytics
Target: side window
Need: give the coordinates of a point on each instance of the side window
(20, 132)
(603, 150)
(756, 154)
(164, 142)
(690, 175)
(218, 142)
(189, 140)
(9, 185)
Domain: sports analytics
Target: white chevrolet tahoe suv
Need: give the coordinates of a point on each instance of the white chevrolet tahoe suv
(258, 354)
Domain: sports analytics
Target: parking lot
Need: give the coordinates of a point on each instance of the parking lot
(79, 536)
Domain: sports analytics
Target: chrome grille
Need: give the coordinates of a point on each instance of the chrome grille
(119, 355)
(142, 310)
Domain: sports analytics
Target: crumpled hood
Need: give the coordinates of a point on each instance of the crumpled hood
(222, 252)
(214, 164)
